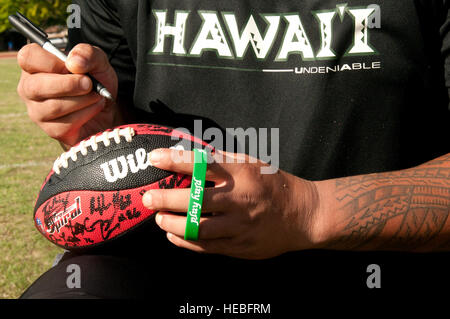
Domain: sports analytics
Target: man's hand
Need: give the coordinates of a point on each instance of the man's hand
(257, 216)
(61, 103)
(248, 215)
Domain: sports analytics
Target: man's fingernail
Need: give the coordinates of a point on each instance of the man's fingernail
(147, 199)
(155, 157)
(85, 83)
(159, 219)
(79, 61)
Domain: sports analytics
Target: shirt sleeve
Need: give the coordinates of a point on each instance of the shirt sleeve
(101, 26)
(445, 33)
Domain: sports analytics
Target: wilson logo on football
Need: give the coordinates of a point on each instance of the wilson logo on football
(132, 163)
(103, 182)
(61, 219)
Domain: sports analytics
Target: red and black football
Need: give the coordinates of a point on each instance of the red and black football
(93, 194)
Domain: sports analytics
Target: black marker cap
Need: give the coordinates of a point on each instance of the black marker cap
(28, 29)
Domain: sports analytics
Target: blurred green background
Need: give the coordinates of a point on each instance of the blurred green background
(26, 157)
(44, 13)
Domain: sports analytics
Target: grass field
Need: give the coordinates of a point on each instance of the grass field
(26, 157)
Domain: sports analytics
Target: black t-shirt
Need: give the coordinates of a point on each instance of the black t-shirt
(356, 87)
(353, 88)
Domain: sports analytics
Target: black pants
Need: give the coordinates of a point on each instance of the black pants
(146, 265)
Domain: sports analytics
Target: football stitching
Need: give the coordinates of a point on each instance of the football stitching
(105, 138)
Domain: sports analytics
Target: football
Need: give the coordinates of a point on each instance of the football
(93, 194)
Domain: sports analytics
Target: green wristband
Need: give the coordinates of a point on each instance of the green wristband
(196, 196)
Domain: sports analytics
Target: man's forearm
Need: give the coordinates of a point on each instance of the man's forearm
(402, 210)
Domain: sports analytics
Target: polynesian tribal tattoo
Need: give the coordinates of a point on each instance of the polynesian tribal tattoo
(402, 210)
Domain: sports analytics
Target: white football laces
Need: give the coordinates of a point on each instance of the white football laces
(105, 138)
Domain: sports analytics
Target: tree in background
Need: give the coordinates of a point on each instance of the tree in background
(43, 13)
